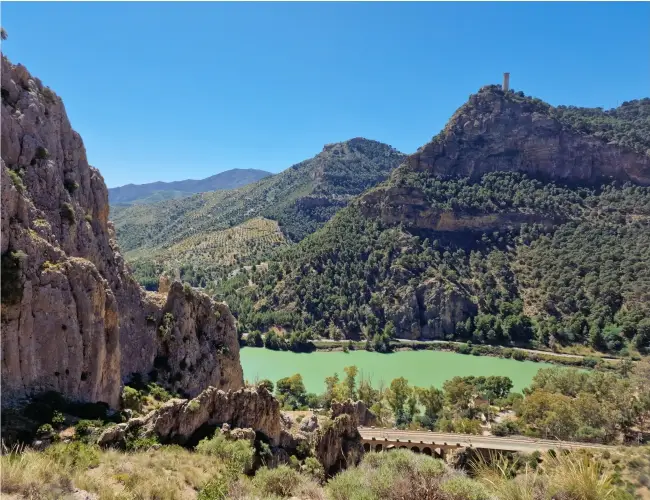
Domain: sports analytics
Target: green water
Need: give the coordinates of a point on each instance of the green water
(420, 368)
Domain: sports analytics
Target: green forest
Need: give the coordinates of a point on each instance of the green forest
(585, 282)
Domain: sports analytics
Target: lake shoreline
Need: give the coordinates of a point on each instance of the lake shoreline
(516, 353)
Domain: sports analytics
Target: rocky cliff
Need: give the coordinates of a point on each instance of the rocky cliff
(508, 132)
(73, 318)
(501, 132)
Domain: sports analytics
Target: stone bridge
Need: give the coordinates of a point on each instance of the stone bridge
(438, 443)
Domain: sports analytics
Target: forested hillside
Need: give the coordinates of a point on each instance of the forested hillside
(519, 223)
(300, 199)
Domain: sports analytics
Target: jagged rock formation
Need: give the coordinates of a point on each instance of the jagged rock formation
(338, 444)
(358, 409)
(244, 414)
(73, 318)
(178, 420)
(506, 132)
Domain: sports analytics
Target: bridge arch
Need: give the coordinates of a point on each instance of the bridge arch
(426, 450)
(415, 449)
(366, 447)
(379, 447)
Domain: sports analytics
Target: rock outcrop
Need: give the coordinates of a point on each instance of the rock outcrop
(357, 409)
(500, 132)
(178, 420)
(338, 444)
(73, 318)
(506, 132)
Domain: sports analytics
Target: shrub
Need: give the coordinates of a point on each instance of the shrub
(267, 384)
(505, 428)
(15, 178)
(314, 468)
(461, 487)
(58, 419)
(11, 284)
(41, 153)
(131, 399)
(254, 339)
(518, 355)
(158, 393)
(140, 443)
(49, 95)
(85, 427)
(67, 213)
(166, 327)
(70, 185)
(75, 455)
(194, 405)
(45, 430)
(281, 481)
(464, 349)
(216, 489)
(294, 463)
(237, 454)
(389, 476)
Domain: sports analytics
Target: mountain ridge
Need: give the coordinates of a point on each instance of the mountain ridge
(143, 193)
(300, 199)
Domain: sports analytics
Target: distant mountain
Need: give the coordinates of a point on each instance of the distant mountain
(300, 199)
(519, 223)
(142, 194)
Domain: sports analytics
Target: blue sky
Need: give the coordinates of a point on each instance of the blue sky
(169, 91)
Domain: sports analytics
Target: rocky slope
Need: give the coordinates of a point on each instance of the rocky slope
(73, 318)
(134, 194)
(517, 223)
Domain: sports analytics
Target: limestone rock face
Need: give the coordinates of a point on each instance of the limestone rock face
(357, 409)
(179, 419)
(73, 318)
(499, 132)
(338, 445)
(444, 305)
(429, 311)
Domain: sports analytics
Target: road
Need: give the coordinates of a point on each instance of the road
(511, 443)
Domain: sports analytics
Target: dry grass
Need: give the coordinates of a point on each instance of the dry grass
(572, 476)
(169, 473)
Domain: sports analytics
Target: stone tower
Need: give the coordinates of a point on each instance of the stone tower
(506, 82)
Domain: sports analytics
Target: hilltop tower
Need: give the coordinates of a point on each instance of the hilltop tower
(506, 82)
